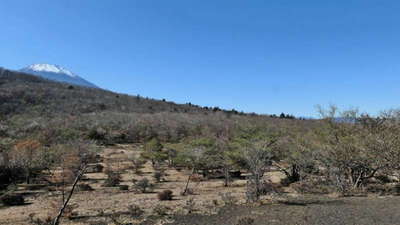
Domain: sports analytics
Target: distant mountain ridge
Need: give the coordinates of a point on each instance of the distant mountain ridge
(57, 73)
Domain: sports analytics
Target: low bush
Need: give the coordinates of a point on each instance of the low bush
(113, 179)
(190, 205)
(12, 199)
(386, 179)
(84, 187)
(159, 175)
(161, 210)
(123, 187)
(135, 211)
(313, 187)
(98, 168)
(396, 189)
(228, 199)
(286, 182)
(166, 195)
(39, 221)
(377, 189)
(270, 188)
(137, 165)
(383, 189)
(245, 221)
(143, 185)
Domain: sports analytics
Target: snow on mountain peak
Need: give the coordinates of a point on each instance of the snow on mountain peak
(56, 73)
(51, 69)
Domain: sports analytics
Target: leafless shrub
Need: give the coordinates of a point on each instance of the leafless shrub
(159, 174)
(137, 164)
(113, 177)
(228, 199)
(135, 211)
(257, 158)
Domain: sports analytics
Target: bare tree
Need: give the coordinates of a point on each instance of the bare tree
(295, 155)
(83, 156)
(64, 205)
(257, 158)
(27, 155)
(137, 164)
(355, 148)
(194, 157)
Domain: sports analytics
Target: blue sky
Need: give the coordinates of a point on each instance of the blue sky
(256, 56)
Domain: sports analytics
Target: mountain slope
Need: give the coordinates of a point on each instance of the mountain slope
(24, 93)
(56, 73)
(58, 113)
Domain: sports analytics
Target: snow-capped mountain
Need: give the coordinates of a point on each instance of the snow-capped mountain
(56, 73)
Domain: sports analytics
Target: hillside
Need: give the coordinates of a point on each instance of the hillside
(59, 112)
(24, 93)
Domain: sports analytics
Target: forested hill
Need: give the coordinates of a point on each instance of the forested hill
(23, 93)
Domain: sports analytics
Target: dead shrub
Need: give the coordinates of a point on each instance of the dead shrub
(228, 199)
(138, 165)
(135, 211)
(245, 221)
(113, 178)
(161, 210)
(165, 195)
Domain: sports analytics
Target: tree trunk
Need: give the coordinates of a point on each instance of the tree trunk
(28, 176)
(227, 176)
(295, 174)
(65, 204)
(188, 180)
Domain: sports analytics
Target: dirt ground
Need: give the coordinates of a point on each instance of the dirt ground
(93, 205)
(347, 211)
(111, 199)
